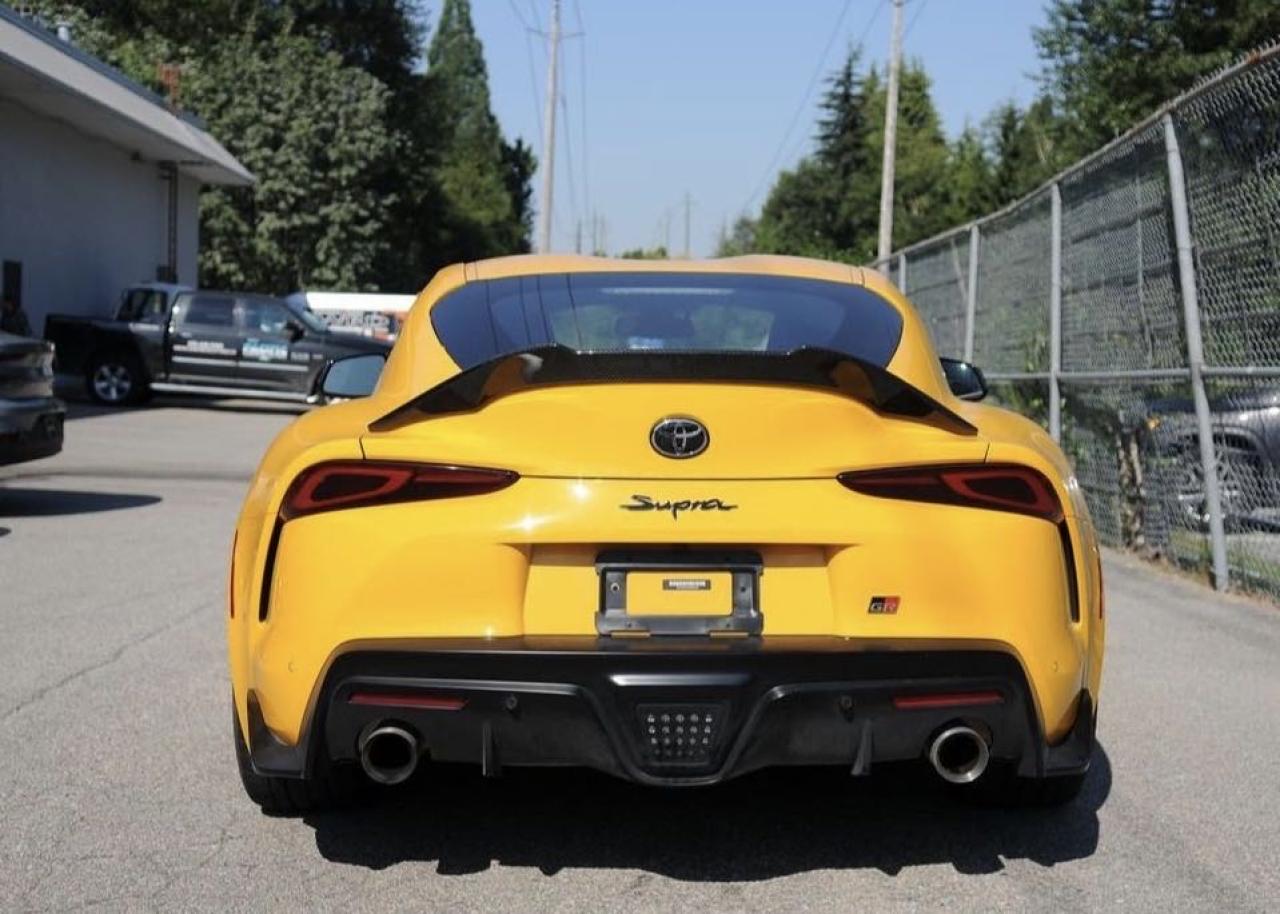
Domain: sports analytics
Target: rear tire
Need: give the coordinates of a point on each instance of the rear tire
(1003, 788)
(116, 379)
(326, 788)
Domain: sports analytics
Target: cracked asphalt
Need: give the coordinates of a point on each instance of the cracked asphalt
(118, 787)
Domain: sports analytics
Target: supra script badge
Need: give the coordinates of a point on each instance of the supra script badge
(645, 503)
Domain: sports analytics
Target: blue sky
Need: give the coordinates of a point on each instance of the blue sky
(697, 95)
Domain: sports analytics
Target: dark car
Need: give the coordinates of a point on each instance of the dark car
(224, 344)
(1246, 437)
(30, 416)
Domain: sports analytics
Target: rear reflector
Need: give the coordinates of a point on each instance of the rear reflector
(946, 700)
(362, 483)
(408, 700)
(1000, 487)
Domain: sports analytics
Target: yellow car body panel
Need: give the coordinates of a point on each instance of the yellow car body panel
(521, 562)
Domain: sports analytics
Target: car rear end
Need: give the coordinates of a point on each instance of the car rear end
(31, 417)
(540, 580)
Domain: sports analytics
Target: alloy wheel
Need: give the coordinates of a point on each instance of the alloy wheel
(112, 382)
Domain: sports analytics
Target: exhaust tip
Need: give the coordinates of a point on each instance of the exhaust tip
(389, 754)
(959, 755)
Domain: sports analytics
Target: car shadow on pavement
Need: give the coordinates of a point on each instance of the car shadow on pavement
(762, 826)
(36, 502)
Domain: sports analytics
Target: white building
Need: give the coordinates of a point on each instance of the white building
(98, 178)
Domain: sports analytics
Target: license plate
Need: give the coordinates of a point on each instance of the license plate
(679, 593)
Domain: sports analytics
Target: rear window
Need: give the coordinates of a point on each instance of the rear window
(618, 312)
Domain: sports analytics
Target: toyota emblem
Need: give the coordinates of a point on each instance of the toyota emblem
(679, 437)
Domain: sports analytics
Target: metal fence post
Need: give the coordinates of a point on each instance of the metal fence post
(1055, 310)
(902, 273)
(971, 306)
(1195, 352)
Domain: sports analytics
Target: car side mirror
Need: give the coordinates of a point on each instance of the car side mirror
(965, 379)
(295, 330)
(352, 376)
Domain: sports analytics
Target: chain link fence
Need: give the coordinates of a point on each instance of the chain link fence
(1132, 307)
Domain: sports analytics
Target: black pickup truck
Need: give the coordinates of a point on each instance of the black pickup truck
(168, 339)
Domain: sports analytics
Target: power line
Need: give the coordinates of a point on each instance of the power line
(912, 23)
(533, 87)
(529, 32)
(520, 16)
(862, 37)
(804, 101)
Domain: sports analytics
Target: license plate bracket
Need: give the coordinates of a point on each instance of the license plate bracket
(743, 566)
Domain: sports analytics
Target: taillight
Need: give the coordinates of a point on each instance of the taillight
(361, 483)
(1000, 487)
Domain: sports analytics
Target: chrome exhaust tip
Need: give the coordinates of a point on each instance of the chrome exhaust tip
(959, 754)
(389, 754)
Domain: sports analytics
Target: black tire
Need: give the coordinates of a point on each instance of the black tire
(1002, 788)
(115, 378)
(1241, 485)
(327, 788)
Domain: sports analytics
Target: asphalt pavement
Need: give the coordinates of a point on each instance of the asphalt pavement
(118, 786)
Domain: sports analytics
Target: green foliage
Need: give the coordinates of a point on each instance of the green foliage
(828, 205)
(314, 133)
(371, 174)
(484, 182)
(739, 239)
(1109, 63)
(658, 253)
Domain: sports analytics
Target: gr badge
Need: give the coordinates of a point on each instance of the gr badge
(883, 606)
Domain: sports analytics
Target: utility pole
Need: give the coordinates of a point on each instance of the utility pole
(549, 131)
(688, 206)
(890, 142)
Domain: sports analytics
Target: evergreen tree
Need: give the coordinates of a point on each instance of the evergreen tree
(1109, 63)
(972, 189)
(739, 239)
(829, 205)
(484, 182)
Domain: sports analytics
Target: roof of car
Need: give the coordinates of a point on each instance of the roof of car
(766, 264)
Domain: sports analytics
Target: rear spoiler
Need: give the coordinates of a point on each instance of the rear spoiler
(548, 365)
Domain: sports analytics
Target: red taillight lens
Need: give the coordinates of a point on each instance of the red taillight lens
(361, 483)
(996, 486)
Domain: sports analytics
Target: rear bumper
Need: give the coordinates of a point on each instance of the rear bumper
(30, 428)
(610, 704)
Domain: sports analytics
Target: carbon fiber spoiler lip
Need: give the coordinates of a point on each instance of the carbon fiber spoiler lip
(549, 365)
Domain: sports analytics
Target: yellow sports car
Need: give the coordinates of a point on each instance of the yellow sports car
(675, 521)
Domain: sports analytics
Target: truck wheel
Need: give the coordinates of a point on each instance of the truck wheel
(116, 379)
(327, 788)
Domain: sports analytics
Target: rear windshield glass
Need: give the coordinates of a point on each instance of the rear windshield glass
(678, 312)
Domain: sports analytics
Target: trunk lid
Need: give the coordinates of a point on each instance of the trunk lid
(756, 431)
